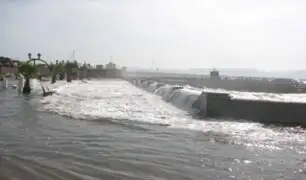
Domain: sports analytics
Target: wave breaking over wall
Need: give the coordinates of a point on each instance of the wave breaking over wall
(269, 108)
(118, 102)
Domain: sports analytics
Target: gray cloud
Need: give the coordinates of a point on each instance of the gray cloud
(264, 34)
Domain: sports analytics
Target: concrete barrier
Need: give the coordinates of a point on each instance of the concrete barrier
(160, 85)
(238, 84)
(201, 105)
(218, 104)
(221, 105)
(269, 112)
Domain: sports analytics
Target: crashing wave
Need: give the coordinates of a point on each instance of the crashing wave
(224, 104)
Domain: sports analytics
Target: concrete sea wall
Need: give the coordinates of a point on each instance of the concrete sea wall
(239, 84)
(223, 106)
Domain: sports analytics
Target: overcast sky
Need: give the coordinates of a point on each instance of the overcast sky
(263, 34)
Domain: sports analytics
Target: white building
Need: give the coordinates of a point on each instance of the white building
(110, 66)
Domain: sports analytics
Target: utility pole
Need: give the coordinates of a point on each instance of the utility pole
(73, 54)
(153, 65)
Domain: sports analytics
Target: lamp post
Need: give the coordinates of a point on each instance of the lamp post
(34, 59)
(30, 56)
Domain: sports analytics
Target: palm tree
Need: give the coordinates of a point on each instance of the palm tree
(68, 69)
(56, 69)
(28, 71)
(51, 68)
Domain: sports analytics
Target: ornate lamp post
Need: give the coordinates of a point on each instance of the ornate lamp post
(34, 59)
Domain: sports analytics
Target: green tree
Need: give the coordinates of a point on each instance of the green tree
(68, 69)
(56, 69)
(28, 71)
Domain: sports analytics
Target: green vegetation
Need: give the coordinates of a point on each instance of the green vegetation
(69, 66)
(28, 71)
(8, 62)
(56, 69)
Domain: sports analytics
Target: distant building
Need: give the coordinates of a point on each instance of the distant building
(214, 74)
(43, 70)
(110, 66)
(89, 65)
(99, 66)
(6, 70)
(7, 65)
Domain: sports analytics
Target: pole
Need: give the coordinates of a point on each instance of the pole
(73, 54)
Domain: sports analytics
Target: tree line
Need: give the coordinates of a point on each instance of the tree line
(30, 70)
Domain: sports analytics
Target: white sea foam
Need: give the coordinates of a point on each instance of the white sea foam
(257, 96)
(119, 99)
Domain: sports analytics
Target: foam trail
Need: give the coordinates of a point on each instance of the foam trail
(254, 96)
(20, 82)
(122, 101)
(110, 99)
(5, 83)
(179, 96)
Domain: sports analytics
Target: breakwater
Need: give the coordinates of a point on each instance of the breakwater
(226, 105)
(252, 84)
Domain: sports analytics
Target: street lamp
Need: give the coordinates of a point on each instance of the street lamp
(34, 59)
(38, 56)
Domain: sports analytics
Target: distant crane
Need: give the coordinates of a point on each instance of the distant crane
(153, 66)
(72, 56)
